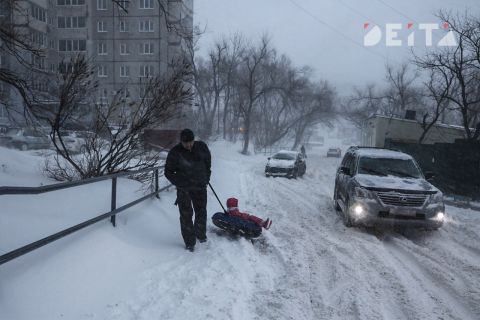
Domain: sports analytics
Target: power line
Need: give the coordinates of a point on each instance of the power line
(334, 29)
(355, 11)
(396, 10)
(401, 13)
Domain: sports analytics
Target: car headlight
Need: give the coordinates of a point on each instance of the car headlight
(363, 193)
(440, 216)
(357, 211)
(436, 198)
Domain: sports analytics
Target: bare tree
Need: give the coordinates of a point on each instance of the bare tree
(235, 50)
(17, 44)
(461, 64)
(107, 149)
(275, 116)
(363, 104)
(253, 84)
(437, 91)
(401, 93)
(318, 107)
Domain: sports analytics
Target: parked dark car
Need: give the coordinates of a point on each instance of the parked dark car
(378, 187)
(27, 138)
(334, 152)
(290, 164)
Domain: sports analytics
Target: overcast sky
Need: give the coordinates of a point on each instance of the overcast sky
(325, 34)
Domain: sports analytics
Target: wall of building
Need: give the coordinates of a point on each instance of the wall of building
(378, 129)
(124, 46)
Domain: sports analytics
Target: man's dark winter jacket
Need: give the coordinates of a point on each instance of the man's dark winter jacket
(189, 169)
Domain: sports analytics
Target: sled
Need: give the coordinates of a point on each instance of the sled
(236, 225)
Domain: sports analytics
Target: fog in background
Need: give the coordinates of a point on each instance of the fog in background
(325, 34)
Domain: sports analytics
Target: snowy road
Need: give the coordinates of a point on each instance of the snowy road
(308, 266)
(330, 272)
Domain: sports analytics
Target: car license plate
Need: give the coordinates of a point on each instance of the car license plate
(403, 212)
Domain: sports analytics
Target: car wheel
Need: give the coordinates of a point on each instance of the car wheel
(335, 199)
(347, 220)
(295, 174)
(23, 147)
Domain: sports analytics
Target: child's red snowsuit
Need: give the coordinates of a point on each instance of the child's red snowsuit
(232, 209)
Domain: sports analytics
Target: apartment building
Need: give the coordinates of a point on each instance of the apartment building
(31, 21)
(126, 44)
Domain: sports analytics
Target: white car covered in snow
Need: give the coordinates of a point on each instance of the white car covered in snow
(73, 141)
(290, 164)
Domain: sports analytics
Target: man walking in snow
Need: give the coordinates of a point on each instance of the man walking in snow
(188, 167)
(302, 150)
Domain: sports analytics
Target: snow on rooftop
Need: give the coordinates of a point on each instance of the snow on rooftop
(288, 151)
(382, 153)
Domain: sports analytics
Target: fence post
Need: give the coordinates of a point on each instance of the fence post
(114, 200)
(157, 195)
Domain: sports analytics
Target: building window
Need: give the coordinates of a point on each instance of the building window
(146, 4)
(146, 71)
(39, 38)
(125, 4)
(123, 93)
(39, 13)
(146, 26)
(38, 62)
(124, 71)
(123, 26)
(70, 2)
(124, 49)
(102, 71)
(146, 48)
(102, 48)
(3, 109)
(70, 22)
(65, 68)
(72, 45)
(101, 26)
(101, 4)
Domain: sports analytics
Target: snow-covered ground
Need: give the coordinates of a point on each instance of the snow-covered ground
(308, 266)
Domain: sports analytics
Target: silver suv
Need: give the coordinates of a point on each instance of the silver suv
(376, 187)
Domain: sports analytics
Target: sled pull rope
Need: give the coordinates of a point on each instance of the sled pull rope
(217, 197)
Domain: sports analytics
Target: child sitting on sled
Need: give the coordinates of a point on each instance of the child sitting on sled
(232, 210)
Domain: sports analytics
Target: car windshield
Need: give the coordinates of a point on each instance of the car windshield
(284, 156)
(404, 168)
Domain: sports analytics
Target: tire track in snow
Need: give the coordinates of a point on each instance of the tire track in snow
(298, 229)
(353, 257)
(343, 252)
(442, 280)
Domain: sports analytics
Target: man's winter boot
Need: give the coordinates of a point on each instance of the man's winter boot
(190, 248)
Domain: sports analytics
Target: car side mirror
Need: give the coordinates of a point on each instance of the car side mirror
(268, 158)
(429, 175)
(345, 170)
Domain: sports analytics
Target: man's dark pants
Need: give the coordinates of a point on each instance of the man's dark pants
(192, 230)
